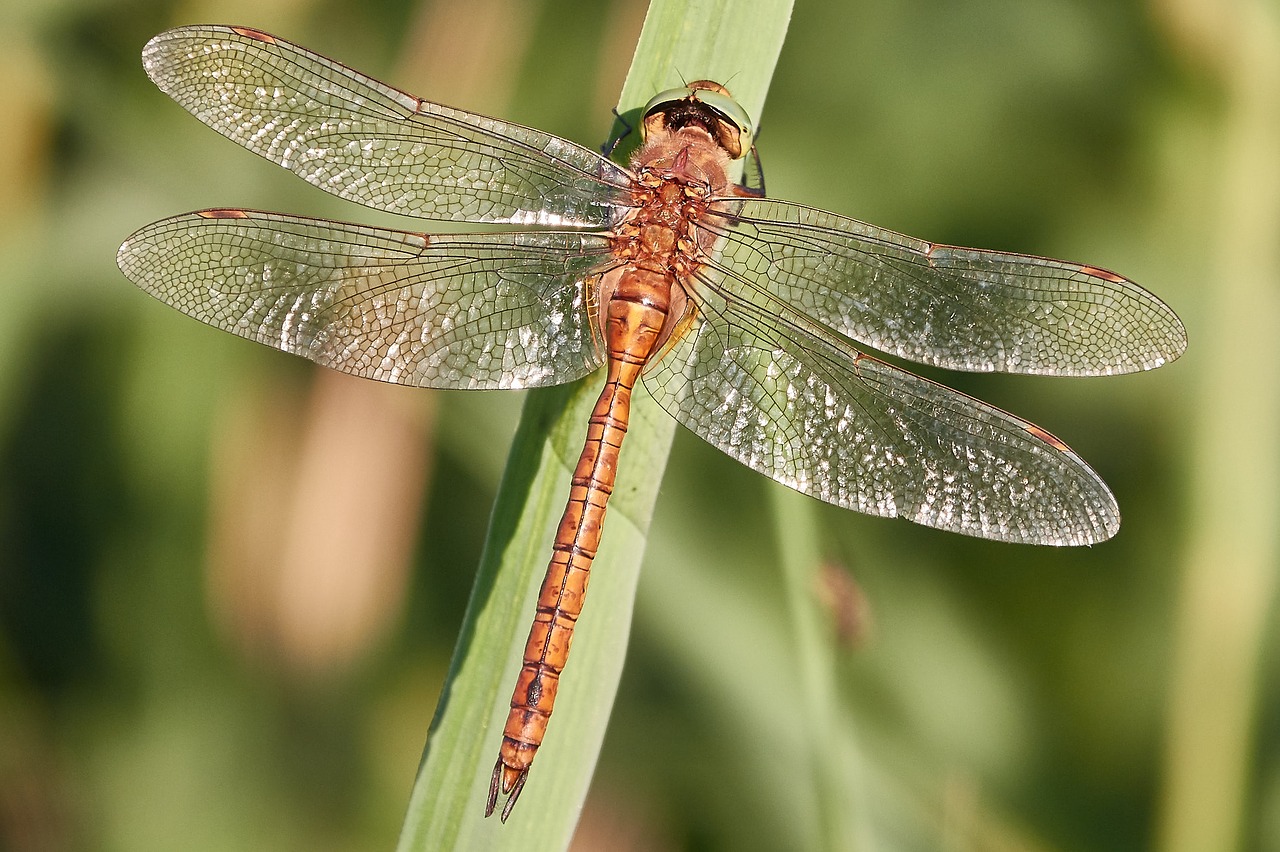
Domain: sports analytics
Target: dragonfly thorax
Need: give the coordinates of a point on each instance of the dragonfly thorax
(659, 245)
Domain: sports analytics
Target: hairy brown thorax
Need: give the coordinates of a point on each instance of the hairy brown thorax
(660, 243)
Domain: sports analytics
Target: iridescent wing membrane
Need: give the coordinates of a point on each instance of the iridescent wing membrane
(767, 376)
(480, 311)
(765, 371)
(367, 142)
(952, 307)
(474, 311)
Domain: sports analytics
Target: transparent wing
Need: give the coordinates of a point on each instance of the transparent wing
(801, 406)
(959, 308)
(455, 311)
(367, 142)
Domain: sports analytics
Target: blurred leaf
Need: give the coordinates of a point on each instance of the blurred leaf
(831, 769)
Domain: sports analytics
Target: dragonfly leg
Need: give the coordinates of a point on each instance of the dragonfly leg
(610, 146)
(752, 175)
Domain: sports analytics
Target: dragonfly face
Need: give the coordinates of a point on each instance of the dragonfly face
(703, 103)
(737, 312)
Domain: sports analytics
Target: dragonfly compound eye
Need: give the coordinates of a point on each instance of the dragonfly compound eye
(702, 104)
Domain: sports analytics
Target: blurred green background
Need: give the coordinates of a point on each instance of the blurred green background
(230, 583)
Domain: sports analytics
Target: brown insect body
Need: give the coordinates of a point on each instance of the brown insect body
(642, 300)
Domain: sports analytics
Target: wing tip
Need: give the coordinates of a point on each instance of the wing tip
(165, 50)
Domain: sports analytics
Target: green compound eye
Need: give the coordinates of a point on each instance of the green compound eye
(732, 124)
(729, 111)
(663, 100)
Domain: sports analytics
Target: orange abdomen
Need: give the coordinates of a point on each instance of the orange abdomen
(635, 318)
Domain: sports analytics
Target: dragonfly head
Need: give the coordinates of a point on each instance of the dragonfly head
(704, 104)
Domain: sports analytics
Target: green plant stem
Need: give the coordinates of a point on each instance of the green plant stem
(1229, 581)
(826, 733)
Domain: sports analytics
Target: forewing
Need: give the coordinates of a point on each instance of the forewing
(452, 311)
(802, 407)
(368, 142)
(959, 308)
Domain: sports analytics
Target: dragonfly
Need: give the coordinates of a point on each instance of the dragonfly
(745, 317)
